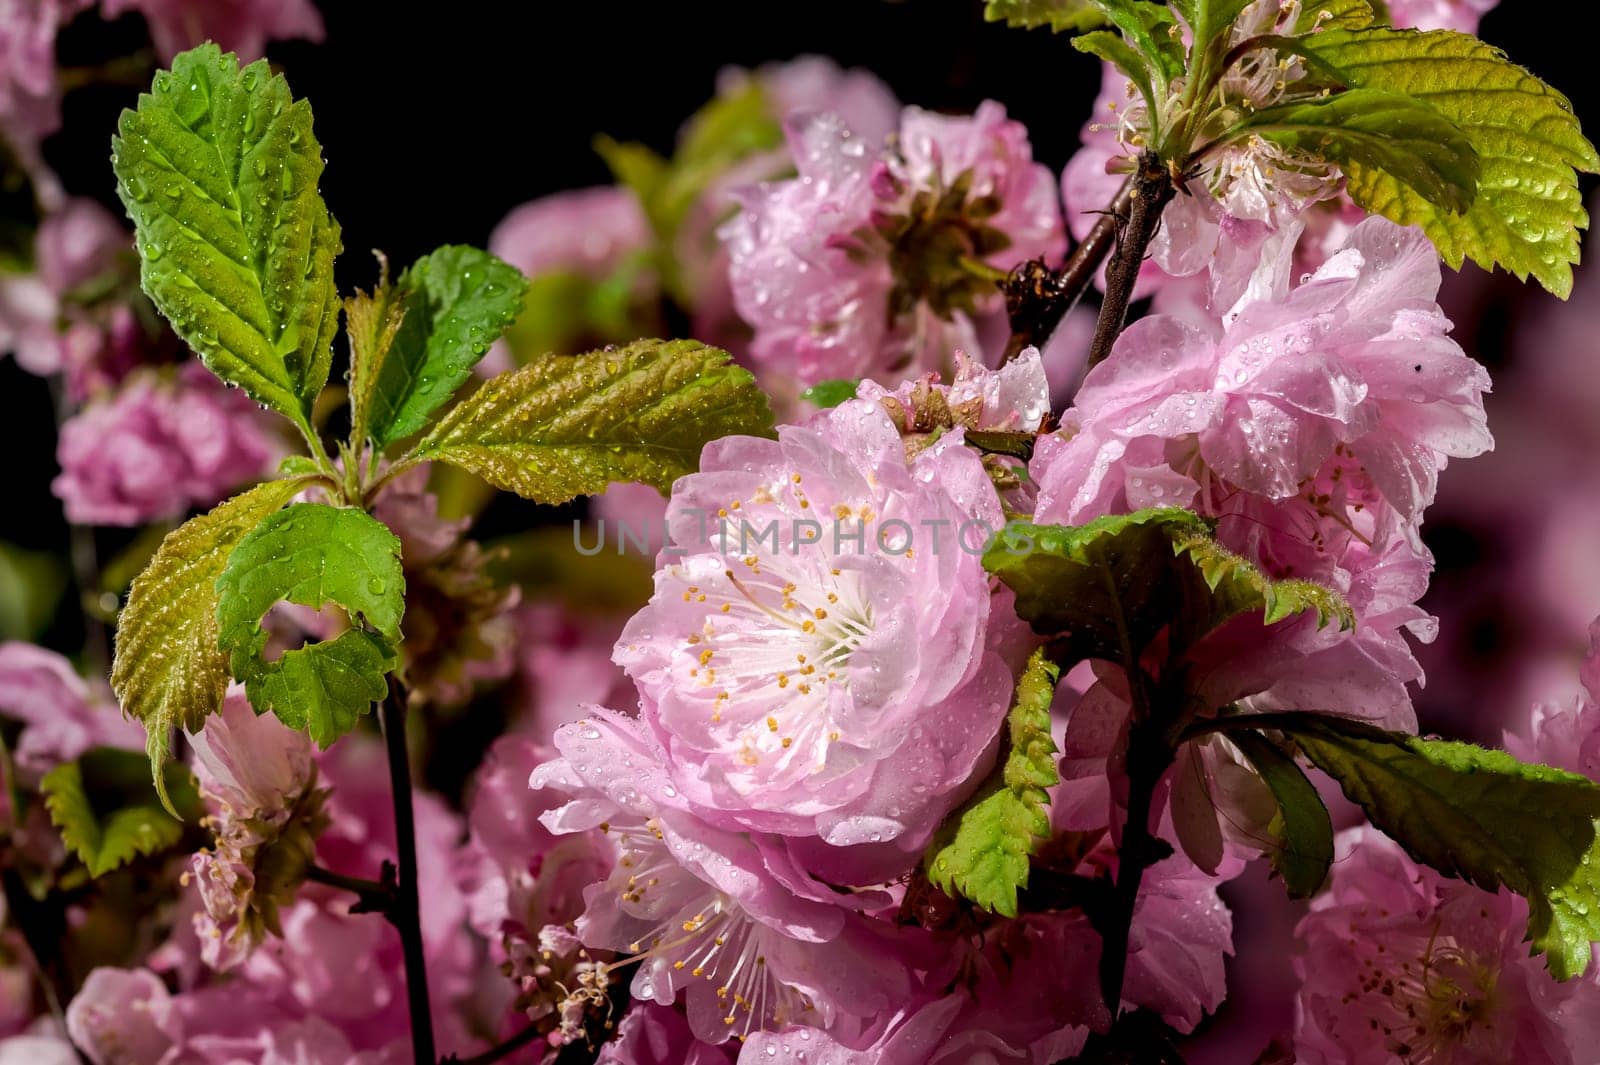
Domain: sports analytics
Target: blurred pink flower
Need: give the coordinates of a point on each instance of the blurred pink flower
(1460, 15)
(652, 1034)
(159, 447)
(585, 231)
(1403, 964)
(62, 715)
(243, 26)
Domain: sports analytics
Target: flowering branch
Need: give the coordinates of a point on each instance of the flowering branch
(1037, 299)
(495, 1053)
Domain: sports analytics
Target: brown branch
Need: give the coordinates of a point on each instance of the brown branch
(1037, 298)
(1152, 190)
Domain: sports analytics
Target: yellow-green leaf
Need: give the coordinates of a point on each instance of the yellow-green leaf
(569, 425)
(108, 812)
(981, 851)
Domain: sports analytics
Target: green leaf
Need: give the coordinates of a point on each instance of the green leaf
(1238, 586)
(981, 851)
(314, 555)
(1305, 833)
(218, 169)
(1340, 15)
(569, 425)
(1529, 209)
(1209, 20)
(457, 301)
(1058, 15)
(1384, 142)
(1107, 588)
(1476, 814)
(1151, 30)
(31, 584)
(1108, 46)
(168, 672)
(830, 393)
(109, 813)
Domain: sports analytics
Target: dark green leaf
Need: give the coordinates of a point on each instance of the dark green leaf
(457, 301)
(1476, 814)
(314, 555)
(1305, 834)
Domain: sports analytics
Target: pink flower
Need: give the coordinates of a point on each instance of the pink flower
(264, 809)
(1567, 736)
(1459, 15)
(29, 95)
(706, 911)
(1403, 964)
(854, 267)
(44, 323)
(792, 680)
(159, 447)
(564, 664)
(585, 231)
(652, 1034)
(243, 26)
(816, 83)
(62, 714)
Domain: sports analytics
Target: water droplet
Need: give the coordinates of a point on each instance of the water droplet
(376, 586)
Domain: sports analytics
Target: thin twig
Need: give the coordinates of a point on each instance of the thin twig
(406, 913)
(1037, 299)
(495, 1053)
(373, 896)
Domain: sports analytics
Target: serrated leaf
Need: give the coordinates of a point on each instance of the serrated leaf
(1110, 47)
(1151, 30)
(981, 851)
(168, 671)
(1529, 209)
(1058, 16)
(827, 394)
(218, 168)
(457, 301)
(108, 811)
(1383, 142)
(1107, 588)
(1340, 15)
(1209, 20)
(569, 425)
(1304, 850)
(1238, 587)
(313, 555)
(1479, 815)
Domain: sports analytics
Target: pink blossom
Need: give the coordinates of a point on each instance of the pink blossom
(30, 103)
(1567, 736)
(791, 682)
(1460, 15)
(62, 714)
(652, 1034)
(585, 231)
(816, 83)
(564, 664)
(709, 912)
(1403, 964)
(159, 447)
(243, 26)
(46, 1045)
(832, 268)
(78, 247)
(264, 809)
